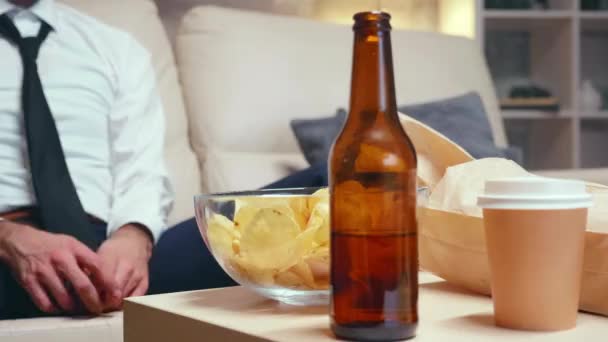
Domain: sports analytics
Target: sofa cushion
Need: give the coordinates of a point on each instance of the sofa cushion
(148, 30)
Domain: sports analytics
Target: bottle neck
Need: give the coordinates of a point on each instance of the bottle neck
(373, 84)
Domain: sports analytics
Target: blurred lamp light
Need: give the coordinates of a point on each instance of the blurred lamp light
(447, 16)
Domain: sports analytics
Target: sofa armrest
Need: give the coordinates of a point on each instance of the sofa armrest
(599, 175)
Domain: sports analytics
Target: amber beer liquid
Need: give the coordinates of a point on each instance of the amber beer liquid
(374, 256)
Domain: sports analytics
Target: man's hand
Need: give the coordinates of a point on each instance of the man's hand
(56, 270)
(125, 255)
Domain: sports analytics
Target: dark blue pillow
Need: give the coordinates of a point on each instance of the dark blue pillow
(316, 136)
(463, 119)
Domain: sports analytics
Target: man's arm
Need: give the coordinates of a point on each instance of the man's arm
(141, 194)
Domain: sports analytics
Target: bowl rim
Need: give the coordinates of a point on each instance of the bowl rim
(284, 192)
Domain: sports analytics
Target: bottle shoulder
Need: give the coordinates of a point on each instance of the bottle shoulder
(376, 143)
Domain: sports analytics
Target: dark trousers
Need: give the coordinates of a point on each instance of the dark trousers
(180, 260)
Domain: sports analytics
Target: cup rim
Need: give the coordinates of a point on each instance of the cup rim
(534, 193)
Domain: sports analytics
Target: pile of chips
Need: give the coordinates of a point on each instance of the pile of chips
(275, 241)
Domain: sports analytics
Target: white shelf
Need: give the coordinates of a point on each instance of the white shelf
(514, 114)
(528, 14)
(601, 115)
(566, 45)
(591, 15)
(594, 20)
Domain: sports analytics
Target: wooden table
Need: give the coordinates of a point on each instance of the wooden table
(237, 314)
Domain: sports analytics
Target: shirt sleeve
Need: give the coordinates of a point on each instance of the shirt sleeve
(141, 192)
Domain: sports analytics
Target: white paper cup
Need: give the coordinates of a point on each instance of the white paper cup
(535, 237)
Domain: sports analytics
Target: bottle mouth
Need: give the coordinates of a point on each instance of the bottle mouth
(372, 19)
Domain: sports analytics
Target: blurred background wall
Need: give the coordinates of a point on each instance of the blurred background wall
(407, 14)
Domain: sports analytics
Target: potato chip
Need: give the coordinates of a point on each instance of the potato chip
(302, 270)
(319, 222)
(244, 214)
(318, 261)
(303, 245)
(236, 246)
(268, 242)
(299, 206)
(221, 234)
(321, 195)
(289, 279)
(320, 252)
(246, 209)
(253, 273)
(262, 202)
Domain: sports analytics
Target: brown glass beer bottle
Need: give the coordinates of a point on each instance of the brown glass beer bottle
(374, 255)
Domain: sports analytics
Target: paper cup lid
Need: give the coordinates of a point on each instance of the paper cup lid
(534, 193)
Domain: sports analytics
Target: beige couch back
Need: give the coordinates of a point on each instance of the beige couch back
(140, 18)
(246, 75)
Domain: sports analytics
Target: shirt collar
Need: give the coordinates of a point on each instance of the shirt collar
(43, 9)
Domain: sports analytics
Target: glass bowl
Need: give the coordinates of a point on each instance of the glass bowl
(274, 242)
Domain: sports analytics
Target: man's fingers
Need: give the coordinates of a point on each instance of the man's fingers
(82, 285)
(127, 279)
(113, 299)
(133, 283)
(56, 287)
(92, 263)
(141, 288)
(86, 257)
(123, 275)
(38, 295)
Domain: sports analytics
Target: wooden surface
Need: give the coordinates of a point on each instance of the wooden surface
(236, 314)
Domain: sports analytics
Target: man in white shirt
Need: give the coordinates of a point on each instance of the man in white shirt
(79, 218)
(84, 194)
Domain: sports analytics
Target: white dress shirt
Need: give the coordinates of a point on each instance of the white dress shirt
(100, 86)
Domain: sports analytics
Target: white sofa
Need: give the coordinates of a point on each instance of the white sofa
(244, 76)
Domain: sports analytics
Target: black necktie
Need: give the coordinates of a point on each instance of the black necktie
(57, 200)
